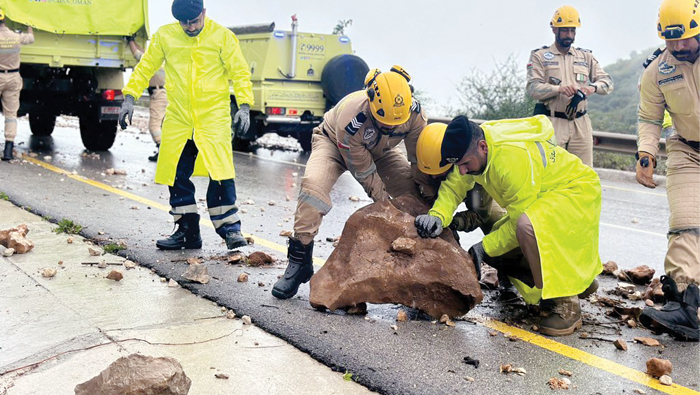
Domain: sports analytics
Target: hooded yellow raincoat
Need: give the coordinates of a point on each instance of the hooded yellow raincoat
(526, 172)
(198, 69)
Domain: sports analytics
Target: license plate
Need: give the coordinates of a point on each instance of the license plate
(110, 110)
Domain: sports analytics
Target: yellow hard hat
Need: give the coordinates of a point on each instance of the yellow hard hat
(566, 16)
(390, 97)
(429, 149)
(372, 74)
(678, 19)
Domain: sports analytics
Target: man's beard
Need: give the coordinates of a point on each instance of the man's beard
(193, 33)
(684, 55)
(565, 42)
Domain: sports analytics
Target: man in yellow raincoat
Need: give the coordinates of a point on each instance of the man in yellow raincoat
(552, 202)
(200, 58)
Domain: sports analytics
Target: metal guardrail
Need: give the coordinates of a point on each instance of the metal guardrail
(602, 141)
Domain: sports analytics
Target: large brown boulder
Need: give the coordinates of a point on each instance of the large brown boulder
(16, 238)
(138, 375)
(438, 278)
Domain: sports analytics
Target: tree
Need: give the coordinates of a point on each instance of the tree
(498, 95)
(339, 29)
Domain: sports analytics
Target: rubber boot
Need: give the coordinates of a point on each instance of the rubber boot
(7, 154)
(590, 290)
(234, 239)
(186, 237)
(299, 270)
(154, 157)
(679, 316)
(563, 316)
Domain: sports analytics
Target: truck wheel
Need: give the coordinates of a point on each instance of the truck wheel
(342, 75)
(241, 145)
(97, 135)
(42, 123)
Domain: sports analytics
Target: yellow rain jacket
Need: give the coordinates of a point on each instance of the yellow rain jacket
(526, 172)
(198, 69)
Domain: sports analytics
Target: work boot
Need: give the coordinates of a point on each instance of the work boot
(299, 270)
(186, 237)
(590, 290)
(7, 155)
(154, 157)
(234, 239)
(563, 316)
(679, 316)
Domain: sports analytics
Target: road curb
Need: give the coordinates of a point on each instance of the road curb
(626, 176)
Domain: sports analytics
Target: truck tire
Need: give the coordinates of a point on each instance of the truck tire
(42, 123)
(342, 75)
(97, 135)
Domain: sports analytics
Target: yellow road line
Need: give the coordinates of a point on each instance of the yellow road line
(589, 359)
(532, 338)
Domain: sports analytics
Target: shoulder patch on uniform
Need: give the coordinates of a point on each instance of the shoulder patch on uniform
(415, 106)
(542, 47)
(653, 56)
(584, 49)
(356, 123)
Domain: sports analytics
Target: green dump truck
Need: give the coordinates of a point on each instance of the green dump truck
(76, 64)
(296, 78)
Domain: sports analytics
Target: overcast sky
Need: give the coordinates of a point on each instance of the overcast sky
(438, 42)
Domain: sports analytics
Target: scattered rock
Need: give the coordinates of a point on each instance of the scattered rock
(625, 288)
(70, 240)
(16, 238)
(172, 283)
(221, 376)
(635, 220)
(470, 361)
(609, 267)
(194, 261)
(438, 279)
(649, 302)
(250, 240)
(115, 275)
(489, 277)
(271, 203)
(49, 272)
(286, 233)
(115, 172)
(444, 318)
(638, 391)
(401, 316)
(657, 367)
(129, 264)
(508, 368)
(354, 199)
(620, 344)
(230, 315)
(469, 379)
(631, 323)
(666, 380)
(8, 252)
(404, 245)
(359, 309)
(261, 284)
(102, 264)
(94, 251)
(243, 277)
(246, 320)
(259, 258)
(197, 273)
(559, 384)
(654, 291)
(641, 274)
(394, 328)
(565, 372)
(647, 341)
(636, 295)
(621, 275)
(249, 202)
(138, 374)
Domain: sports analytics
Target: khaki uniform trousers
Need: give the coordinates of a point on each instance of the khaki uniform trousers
(575, 136)
(10, 86)
(682, 261)
(324, 168)
(159, 100)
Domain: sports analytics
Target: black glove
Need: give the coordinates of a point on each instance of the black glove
(479, 256)
(241, 120)
(572, 107)
(130, 38)
(126, 110)
(428, 226)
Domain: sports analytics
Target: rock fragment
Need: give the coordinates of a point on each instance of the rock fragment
(654, 291)
(194, 261)
(647, 341)
(172, 283)
(246, 320)
(70, 240)
(354, 198)
(404, 245)
(565, 372)
(641, 274)
(259, 258)
(657, 367)
(16, 238)
(401, 316)
(221, 376)
(115, 275)
(94, 251)
(48, 272)
(102, 264)
(138, 374)
(8, 252)
(559, 384)
(620, 344)
(666, 380)
(242, 278)
(230, 315)
(489, 277)
(286, 233)
(609, 267)
(250, 240)
(649, 302)
(197, 273)
(129, 264)
(115, 172)
(359, 309)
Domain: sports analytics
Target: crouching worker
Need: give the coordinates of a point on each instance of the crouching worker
(552, 202)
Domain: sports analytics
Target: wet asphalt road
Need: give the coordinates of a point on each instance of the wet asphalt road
(418, 358)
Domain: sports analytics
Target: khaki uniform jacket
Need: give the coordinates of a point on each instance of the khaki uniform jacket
(10, 43)
(349, 125)
(668, 84)
(548, 69)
